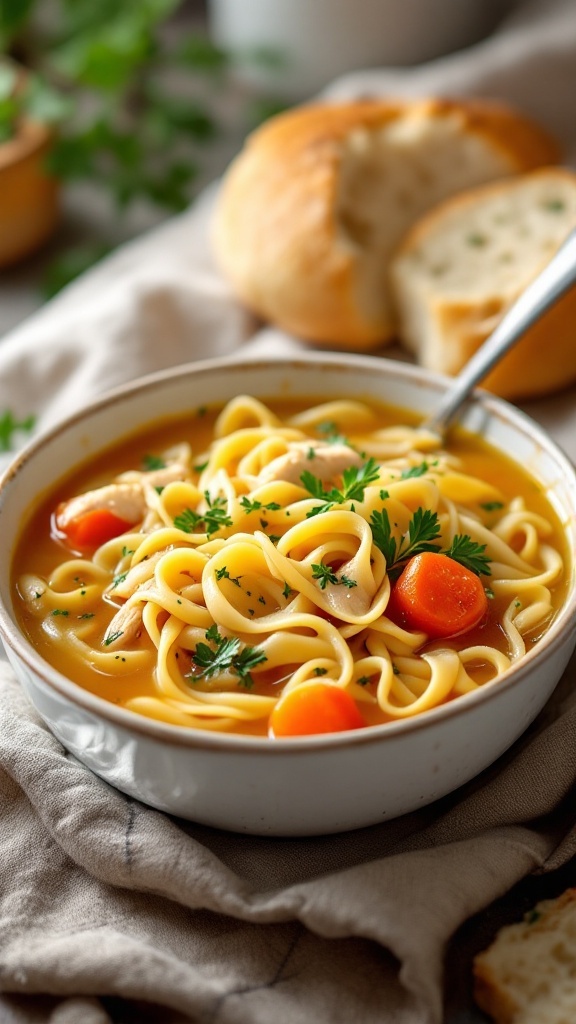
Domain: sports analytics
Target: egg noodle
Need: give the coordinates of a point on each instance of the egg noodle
(255, 569)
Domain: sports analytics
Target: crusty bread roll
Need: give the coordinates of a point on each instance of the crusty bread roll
(463, 265)
(528, 974)
(311, 210)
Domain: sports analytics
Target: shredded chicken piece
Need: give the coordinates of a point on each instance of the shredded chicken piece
(327, 462)
(127, 623)
(136, 577)
(125, 498)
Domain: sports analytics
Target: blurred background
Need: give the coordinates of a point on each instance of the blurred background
(114, 116)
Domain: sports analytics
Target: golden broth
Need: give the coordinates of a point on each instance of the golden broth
(39, 552)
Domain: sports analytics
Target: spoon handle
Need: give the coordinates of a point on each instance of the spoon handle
(543, 292)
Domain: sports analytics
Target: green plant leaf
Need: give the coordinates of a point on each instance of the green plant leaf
(43, 103)
(13, 14)
(201, 54)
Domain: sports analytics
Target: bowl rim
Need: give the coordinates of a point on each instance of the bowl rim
(196, 739)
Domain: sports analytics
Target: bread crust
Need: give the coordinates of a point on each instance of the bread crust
(276, 231)
(500, 980)
(543, 361)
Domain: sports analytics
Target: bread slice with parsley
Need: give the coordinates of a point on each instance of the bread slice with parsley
(464, 264)
(528, 974)
(311, 210)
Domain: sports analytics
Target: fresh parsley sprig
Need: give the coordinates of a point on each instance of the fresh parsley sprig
(227, 655)
(422, 535)
(464, 550)
(213, 519)
(355, 479)
(325, 575)
(253, 505)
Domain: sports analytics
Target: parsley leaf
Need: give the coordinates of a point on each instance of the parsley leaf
(229, 655)
(254, 505)
(150, 462)
(213, 519)
(223, 574)
(112, 637)
(330, 433)
(325, 574)
(212, 662)
(246, 660)
(471, 555)
(355, 479)
(412, 471)
(423, 530)
(9, 427)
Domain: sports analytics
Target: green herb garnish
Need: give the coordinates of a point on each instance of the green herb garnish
(355, 479)
(325, 575)
(213, 519)
(423, 532)
(412, 471)
(112, 637)
(253, 505)
(10, 426)
(228, 655)
(151, 462)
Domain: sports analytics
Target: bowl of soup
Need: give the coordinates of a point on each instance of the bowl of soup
(261, 596)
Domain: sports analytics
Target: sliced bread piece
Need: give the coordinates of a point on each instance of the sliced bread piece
(464, 264)
(311, 210)
(528, 974)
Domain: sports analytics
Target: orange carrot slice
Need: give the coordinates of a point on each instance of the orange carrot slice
(314, 708)
(438, 596)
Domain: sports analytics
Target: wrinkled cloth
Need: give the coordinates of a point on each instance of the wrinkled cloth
(112, 911)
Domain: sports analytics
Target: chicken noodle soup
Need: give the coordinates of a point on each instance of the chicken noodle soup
(280, 569)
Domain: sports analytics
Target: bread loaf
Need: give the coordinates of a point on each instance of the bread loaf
(312, 209)
(463, 265)
(528, 974)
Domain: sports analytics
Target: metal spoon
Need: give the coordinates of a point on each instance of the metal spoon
(543, 292)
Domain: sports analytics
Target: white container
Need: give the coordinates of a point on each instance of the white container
(319, 40)
(303, 785)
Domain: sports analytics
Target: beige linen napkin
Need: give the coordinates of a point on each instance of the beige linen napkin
(110, 911)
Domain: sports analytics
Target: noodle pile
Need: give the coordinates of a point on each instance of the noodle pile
(255, 570)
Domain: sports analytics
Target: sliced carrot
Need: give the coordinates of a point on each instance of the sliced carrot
(94, 528)
(314, 708)
(438, 596)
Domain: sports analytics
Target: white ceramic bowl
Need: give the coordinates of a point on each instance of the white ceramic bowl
(300, 786)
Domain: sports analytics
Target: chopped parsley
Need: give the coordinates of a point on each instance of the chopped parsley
(412, 471)
(355, 479)
(422, 535)
(86, 615)
(320, 671)
(331, 434)
(212, 520)
(110, 639)
(228, 654)
(223, 574)
(491, 506)
(464, 550)
(255, 506)
(325, 575)
(10, 426)
(151, 462)
(200, 466)
(60, 611)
